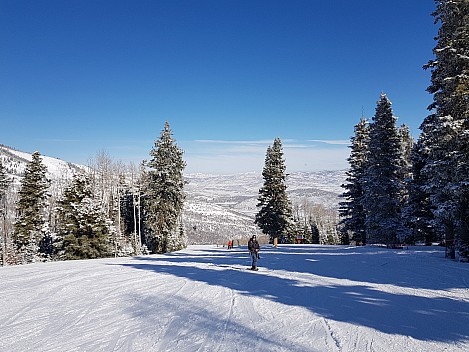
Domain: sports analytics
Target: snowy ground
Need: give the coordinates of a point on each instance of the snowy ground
(304, 298)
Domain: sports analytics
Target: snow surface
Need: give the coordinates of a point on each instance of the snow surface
(304, 298)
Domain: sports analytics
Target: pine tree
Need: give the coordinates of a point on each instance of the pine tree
(31, 227)
(83, 231)
(275, 214)
(351, 210)
(445, 132)
(407, 145)
(165, 195)
(382, 187)
(418, 210)
(314, 233)
(406, 176)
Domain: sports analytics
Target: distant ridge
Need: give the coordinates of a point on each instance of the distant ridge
(8, 152)
(223, 207)
(15, 162)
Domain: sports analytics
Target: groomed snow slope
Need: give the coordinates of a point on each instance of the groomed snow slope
(304, 298)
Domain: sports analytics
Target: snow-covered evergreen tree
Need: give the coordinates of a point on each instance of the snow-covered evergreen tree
(406, 171)
(83, 230)
(31, 228)
(418, 210)
(445, 132)
(165, 196)
(315, 236)
(382, 186)
(351, 210)
(275, 213)
(407, 145)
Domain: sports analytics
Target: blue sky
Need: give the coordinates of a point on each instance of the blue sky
(79, 77)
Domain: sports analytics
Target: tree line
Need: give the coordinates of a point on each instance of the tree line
(398, 190)
(401, 191)
(111, 209)
(106, 209)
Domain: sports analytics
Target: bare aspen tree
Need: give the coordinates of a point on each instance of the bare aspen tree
(102, 170)
(4, 185)
(135, 189)
(325, 220)
(113, 181)
(10, 200)
(118, 185)
(60, 181)
(140, 186)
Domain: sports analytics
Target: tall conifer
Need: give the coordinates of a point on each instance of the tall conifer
(351, 210)
(31, 226)
(407, 145)
(165, 195)
(382, 187)
(275, 213)
(445, 132)
(418, 210)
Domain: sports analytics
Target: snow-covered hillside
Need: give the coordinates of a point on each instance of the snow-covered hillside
(304, 298)
(15, 162)
(222, 207)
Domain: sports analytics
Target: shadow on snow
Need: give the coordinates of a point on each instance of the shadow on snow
(431, 319)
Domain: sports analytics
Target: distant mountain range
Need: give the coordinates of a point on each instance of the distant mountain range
(222, 207)
(218, 207)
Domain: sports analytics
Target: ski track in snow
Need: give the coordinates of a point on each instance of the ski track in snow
(204, 298)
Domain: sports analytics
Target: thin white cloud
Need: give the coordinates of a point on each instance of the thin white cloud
(58, 140)
(297, 145)
(217, 141)
(331, 141)
(230, 157)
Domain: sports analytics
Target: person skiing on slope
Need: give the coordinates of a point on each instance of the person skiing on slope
(254, 248)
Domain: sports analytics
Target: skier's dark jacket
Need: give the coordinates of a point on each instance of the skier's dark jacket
(253, 245)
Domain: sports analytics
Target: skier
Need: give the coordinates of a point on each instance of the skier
(254, 248)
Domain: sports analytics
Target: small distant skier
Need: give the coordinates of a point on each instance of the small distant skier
(254, 248)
